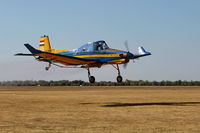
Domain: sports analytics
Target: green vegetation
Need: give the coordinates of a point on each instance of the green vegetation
(101, 83)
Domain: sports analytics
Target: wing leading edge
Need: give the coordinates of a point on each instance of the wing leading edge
(63, 59)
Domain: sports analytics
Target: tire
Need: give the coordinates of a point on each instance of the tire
(46, 68)
(119, 79)
(92, 79)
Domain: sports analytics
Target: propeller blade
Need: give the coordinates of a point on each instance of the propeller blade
(125, 65)
(126, 45)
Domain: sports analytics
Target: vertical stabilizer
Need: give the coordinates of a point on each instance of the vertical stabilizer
(44, 44)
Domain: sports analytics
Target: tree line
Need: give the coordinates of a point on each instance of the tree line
(101, 83)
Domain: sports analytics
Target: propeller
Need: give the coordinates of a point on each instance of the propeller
(125, 65)
(127, 48)
(126, 45)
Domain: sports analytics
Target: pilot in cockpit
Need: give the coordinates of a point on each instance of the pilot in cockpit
(98, 46)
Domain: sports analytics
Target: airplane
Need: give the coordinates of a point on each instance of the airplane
(91, 55)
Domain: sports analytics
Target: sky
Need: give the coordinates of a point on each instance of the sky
(169, 29)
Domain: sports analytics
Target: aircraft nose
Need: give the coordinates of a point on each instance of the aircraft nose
(129, 55)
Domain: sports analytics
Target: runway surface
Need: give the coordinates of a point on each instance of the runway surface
(99, 109)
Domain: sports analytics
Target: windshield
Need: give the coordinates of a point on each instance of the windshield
(101, 45)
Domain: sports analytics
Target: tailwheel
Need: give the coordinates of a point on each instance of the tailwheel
(47, 68)
(92, 79)
(119, 79)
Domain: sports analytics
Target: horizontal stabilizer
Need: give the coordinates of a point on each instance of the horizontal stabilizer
(21, 54)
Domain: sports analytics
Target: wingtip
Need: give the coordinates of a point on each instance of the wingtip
(26, 44)
(17, 54)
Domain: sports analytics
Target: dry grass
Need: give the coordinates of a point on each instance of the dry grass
(100, 109)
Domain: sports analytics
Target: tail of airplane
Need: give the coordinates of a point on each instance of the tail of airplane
(44, 44)
(142, 51)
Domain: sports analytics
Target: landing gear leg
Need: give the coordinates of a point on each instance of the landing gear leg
(91, 78)
(119, 77)
(47, 68)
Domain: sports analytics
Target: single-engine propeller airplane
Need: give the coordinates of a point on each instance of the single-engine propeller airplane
(95, 54)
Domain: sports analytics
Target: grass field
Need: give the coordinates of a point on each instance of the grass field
(100, 109)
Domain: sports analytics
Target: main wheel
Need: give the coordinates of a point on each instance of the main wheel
(92, 79)
(119, 79)
(46, 68)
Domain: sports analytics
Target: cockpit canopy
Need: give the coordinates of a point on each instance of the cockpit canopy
(95, 46)
(100, 45)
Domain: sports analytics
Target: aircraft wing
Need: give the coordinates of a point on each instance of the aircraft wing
(58, 58)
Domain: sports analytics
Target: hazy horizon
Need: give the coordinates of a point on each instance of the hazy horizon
(168, 29)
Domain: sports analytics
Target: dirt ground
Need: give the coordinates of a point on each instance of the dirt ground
(100, 109)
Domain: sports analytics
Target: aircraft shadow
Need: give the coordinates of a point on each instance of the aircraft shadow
(151, 104)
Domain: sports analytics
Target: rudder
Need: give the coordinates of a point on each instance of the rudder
(44, 44)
